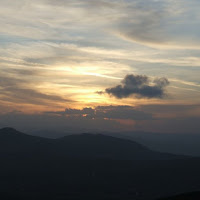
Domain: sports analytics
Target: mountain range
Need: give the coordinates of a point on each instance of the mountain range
(90, 166)
(80, 146)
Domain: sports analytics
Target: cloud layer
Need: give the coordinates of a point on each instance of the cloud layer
(155, 118)
(106, 112)
(56, 53)
(140, 86)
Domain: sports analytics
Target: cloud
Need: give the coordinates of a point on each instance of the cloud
(160, 24)
(151, 118)
(14, 90)
(140, 86)
(84, 111)
(69, 49)
(106, 112)
(121, 112)
(142, 22)
(153, 23)
(101, 119)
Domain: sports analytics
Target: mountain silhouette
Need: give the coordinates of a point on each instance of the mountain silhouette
(15, 142)
(77, 146)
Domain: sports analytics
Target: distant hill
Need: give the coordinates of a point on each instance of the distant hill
(175, 143)
(78, 146)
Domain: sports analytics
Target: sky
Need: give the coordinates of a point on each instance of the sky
(100, 65)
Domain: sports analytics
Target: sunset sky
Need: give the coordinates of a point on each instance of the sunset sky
(100, 65)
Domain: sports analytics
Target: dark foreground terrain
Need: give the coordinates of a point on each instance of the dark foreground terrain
(90, 167)
(187, 196)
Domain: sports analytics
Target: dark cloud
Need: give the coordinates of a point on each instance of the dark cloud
(107, 112)
(84, 111)
(150, 118)
(138, 85)
(174, 108)
(57, 123)
(121, 112)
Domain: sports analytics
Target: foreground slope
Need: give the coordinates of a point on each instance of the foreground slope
(185, 196)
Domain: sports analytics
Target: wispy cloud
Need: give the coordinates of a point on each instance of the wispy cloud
(53, 52)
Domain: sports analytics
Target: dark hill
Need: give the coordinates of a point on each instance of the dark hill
(101, 146)
(77, 146)
(13, 142)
